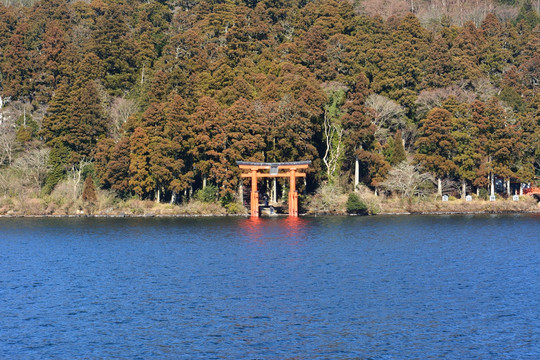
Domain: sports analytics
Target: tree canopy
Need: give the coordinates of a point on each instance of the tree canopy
(164, 96)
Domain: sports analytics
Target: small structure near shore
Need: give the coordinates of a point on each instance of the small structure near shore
(291, 172)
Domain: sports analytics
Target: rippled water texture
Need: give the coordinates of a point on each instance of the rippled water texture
(411, 287)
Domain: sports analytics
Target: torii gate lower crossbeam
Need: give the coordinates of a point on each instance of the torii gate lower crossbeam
(274, 168)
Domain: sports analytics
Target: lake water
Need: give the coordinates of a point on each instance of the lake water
(386, 287)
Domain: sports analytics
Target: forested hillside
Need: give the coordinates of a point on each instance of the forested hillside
(157, 99)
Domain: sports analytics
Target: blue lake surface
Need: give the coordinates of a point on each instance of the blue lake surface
(386, 287)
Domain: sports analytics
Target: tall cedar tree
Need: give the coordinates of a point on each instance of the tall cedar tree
(89, 190)
(436, 146)
(140, 180)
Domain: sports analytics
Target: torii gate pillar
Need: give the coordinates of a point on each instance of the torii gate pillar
(254, 201)
(292, 174)
(293, 195)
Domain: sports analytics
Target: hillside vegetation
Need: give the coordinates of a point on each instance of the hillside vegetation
(157, 100)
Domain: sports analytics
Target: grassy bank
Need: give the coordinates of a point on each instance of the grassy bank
(434, 206)
(330, 204)
(331, 201)
(106, 205)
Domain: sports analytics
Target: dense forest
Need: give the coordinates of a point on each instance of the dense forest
(158, 99)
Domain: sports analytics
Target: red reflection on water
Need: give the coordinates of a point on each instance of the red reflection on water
(289, 228)
(295, 226)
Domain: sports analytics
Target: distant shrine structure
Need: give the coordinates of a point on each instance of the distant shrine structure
(290, 171)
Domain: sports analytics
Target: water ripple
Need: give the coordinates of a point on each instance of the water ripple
(457, 287)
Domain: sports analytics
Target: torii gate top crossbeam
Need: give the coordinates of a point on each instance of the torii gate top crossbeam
(268, 165)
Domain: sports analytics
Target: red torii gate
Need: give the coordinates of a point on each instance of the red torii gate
(274, 168)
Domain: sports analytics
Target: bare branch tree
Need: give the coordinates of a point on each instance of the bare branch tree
(388, 114)
(3, 102)
(7, 136)
(33, 167)
(75, 178)
(120, 111)
(333, 134)
(408, 181)
(429, 99)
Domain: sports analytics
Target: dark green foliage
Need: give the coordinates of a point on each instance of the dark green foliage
(527, 14)
(27, 128)
(512, 98)
(58, 160)
(398, 153)
(355, 205)
(208, 194)
(483, 194)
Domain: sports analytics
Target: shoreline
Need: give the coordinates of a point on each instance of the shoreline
(136, 216)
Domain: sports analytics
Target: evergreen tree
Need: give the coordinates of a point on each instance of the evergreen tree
(58, 162)
(140, 180)
(398, 150)
(87, 122)
(113, 43)
(89, 191)
(436, 145)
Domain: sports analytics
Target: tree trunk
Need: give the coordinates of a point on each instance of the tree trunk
(463, 189)
(158, 195)
(274, 190)
(439, 186)
(204, 182)
(356, 173)
(492, 185)
(173, 198)
(520, 189)
(241, 191)
(508, 190)
(1, 110)
(142, 75)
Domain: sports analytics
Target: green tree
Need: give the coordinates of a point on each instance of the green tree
(398, 150)
(86, 124)
(140, 180)
(528, 15)
(468, 154)
(57, 117)
(112, 41)
(59, 157)
(355, 205)
(436, 145)
(178, 129)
